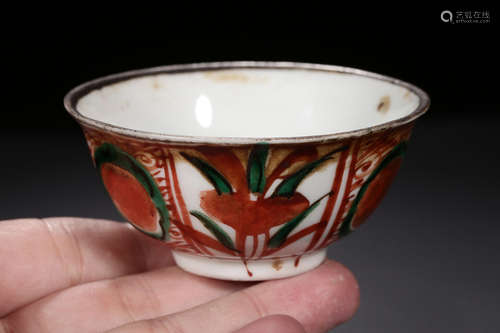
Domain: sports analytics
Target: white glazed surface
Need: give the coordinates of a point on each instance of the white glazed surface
(248, 103)
(264, 269)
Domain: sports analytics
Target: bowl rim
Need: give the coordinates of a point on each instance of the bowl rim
(73, 96)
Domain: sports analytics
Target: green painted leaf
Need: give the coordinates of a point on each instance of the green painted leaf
(256, 167)
(288, 186)
(281, 235)
(109, 153)
(218, 181)
(398, 150)
(217, 231)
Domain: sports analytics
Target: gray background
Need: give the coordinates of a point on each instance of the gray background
(427, 260)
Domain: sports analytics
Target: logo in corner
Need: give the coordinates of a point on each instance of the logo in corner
(447, 16)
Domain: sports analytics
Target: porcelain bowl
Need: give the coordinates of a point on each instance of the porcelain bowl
(247, 170)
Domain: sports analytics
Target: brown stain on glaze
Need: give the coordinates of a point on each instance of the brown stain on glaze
(309, 154)
(227, 76)
(156, 84)
(332, 159)
(278, 155)
(242, 154)
(302, 155)
(384, 104)
(277, 264)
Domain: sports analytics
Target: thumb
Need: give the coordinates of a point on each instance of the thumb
(273, 323)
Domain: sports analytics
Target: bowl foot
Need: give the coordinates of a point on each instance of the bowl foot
(254, 270)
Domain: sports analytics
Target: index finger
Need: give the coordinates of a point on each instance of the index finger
(319, 299)
(40, 256)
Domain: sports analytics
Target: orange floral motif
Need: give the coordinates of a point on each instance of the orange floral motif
(255, 190)
(239, 199)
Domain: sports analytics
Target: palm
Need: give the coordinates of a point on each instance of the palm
(76, 275)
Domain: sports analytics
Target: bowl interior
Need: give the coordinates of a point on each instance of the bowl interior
(249, 102)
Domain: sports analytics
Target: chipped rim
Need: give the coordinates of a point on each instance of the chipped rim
(72, 97)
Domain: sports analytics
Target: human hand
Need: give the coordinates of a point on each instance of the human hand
(83, 275)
